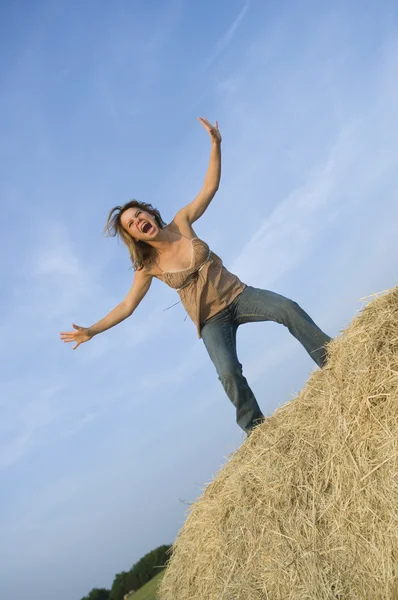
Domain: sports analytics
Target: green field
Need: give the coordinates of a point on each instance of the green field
(148, 591)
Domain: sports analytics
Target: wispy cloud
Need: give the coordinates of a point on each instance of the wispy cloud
(53, 282)
(59, 276)
(226, 39)
(286, 237)
(194, 359)
(26, 417)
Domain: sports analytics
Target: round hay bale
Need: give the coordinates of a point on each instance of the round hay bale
(307, 507)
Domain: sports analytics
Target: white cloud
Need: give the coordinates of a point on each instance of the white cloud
(60, 280)
(26, 415)
(286, 237)
(194, 360)
(226, 39)
(56, 256)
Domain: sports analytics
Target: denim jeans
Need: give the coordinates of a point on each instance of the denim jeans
(219, 336)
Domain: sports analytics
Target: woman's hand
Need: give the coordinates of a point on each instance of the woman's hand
(212, 130)
(79, 336)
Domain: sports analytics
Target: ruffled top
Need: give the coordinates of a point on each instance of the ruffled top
(206, 287)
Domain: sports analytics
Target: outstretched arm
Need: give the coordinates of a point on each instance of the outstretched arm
(141, 285)
(197, 207)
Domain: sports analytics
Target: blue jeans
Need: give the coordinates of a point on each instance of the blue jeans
(219, 336)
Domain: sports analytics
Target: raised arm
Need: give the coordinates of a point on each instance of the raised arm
(141, 284)
(197, 207)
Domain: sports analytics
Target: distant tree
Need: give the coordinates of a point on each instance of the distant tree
(98, 594)
(133, 581)
(149, 566)
(140, 573)
(120, 586)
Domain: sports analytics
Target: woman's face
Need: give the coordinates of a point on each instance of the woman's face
(140, 224)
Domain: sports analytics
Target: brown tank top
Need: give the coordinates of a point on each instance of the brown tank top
(206, 287)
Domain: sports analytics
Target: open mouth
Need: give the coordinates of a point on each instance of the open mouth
(146, 227)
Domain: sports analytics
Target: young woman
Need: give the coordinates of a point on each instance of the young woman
(215, 299)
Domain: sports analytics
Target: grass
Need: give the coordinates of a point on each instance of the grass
(149, 590)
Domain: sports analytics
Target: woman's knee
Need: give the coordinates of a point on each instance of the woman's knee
(229, 373)
(287, 303)
(286, 311)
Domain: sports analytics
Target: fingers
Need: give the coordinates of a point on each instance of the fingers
(205, 122)
(68, 336)
(211, 129)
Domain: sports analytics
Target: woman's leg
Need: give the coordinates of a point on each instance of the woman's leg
(254, 304)
(219, 336)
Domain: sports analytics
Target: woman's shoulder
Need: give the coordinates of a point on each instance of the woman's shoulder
(182, 226)
(143, 271)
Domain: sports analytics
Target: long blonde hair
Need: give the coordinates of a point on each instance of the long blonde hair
(140, 252)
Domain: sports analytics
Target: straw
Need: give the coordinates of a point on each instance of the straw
(307, 507)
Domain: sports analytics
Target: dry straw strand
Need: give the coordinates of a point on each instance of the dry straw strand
(307, 507)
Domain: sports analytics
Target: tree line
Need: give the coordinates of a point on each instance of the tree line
(140, 573)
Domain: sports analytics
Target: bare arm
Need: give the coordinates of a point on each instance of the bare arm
(197, 207)
(141, 284)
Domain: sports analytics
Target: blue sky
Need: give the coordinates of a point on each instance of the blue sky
(101, 449)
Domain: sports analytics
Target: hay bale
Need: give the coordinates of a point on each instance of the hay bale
(307, 507)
